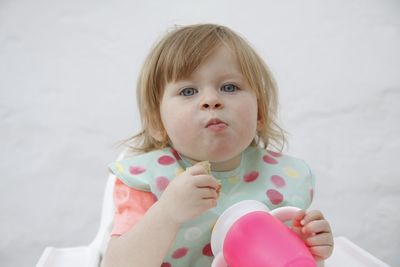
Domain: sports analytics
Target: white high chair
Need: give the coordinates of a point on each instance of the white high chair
(345, 253)
(91, 255)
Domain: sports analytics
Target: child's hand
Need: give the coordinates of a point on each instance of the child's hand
(190, 194)
(315, 231)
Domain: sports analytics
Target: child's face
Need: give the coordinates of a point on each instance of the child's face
(211, 115)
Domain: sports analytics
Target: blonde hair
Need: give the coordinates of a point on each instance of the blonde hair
(176, 56)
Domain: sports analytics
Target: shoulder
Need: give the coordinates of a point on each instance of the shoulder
(136, 163)
(135, 170)
(292, 165)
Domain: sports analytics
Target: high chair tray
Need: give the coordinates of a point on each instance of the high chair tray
(69, 257)
(347, 253)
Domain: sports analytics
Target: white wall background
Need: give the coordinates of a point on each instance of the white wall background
(67, 81)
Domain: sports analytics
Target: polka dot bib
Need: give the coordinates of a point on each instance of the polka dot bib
(272, 178)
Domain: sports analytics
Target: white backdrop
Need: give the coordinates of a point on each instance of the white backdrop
(67, 81)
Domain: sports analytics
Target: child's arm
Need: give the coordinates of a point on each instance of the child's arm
(146, 244)
(315, 231)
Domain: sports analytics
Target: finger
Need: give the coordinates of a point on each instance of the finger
(206, 181)
(316, 227)
(208, 203)
(298, 216)
(312, 215)
(296, 225)
(321, 252)
(324, 239)
(208, 193)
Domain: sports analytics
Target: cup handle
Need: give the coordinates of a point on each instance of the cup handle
(284, 214)
(219, 261)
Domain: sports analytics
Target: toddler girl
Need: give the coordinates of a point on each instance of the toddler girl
(204, 95)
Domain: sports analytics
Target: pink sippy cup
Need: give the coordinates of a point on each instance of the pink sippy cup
(247, 234)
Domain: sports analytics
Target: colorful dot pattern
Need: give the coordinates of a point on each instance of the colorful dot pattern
(270, 177)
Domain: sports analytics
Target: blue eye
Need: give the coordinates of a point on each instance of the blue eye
(188, 91)
(229, 88)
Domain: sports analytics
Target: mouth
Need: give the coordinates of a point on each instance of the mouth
(216, 124)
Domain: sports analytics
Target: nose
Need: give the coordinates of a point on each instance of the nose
(211, 100)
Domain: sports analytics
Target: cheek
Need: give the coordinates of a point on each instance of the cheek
(176, 123)
(248, 115)
(251, 122)
(176, 128)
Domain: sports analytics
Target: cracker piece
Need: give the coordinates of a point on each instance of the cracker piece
(206, 165)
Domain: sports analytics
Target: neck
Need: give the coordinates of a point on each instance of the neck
(222, 166)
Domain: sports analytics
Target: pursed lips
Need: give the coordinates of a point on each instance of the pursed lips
(216, 124)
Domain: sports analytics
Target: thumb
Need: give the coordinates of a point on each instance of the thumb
(296, 222)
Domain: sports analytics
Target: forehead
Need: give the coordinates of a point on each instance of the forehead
(221, 63)
(186, 49)
(219, 58)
